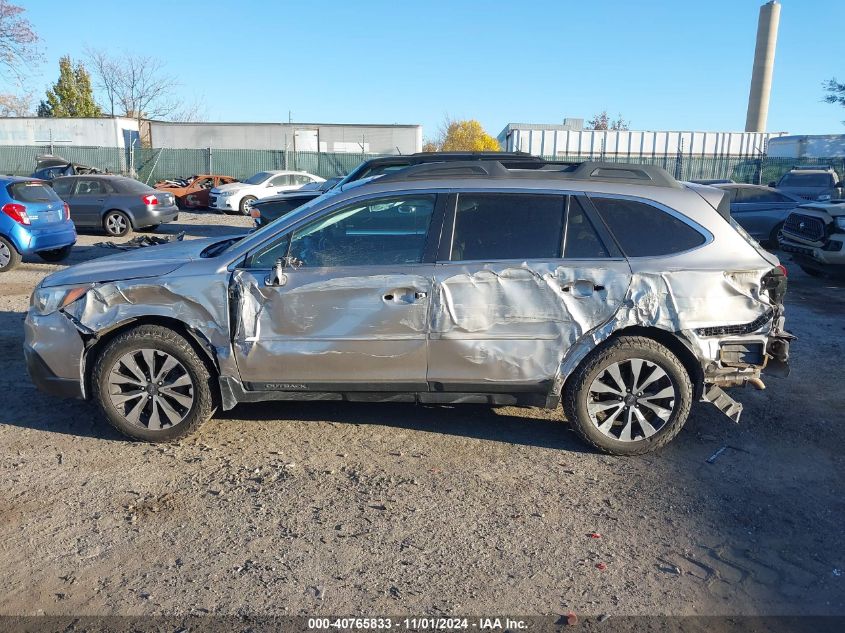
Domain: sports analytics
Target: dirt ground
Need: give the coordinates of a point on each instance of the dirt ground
(333, 508)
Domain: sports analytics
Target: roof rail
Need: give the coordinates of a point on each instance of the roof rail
(622, 173)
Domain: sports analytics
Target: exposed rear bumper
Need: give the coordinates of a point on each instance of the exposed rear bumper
(156, 216)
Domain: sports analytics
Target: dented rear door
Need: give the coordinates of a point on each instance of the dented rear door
(504, 323)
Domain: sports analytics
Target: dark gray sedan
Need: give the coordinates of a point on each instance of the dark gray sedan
(115, 204)
(760, 210)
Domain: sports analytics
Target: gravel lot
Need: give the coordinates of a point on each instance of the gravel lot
(329, 508)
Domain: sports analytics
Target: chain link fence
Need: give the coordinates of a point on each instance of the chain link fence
(152, 164)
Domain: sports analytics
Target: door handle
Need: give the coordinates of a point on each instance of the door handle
(582, 288)
(404, 296)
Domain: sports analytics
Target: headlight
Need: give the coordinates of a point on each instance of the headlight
(226, 194)
(45, 301)
(825, 197)
(840, 222)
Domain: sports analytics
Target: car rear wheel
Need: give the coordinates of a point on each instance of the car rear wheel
(151, 385)
(246, 204)
(56, 255)
(9, 255)
(628, 397)
(117, 224)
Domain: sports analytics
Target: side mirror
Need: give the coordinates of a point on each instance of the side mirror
(277, 276)
(773, 184)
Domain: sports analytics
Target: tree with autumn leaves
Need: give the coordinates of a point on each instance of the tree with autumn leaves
(462, 136)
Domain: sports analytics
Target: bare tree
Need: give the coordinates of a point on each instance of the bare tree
(16, 105)
(138, 86)
(107, 75)
(190, 112)
(18, 41)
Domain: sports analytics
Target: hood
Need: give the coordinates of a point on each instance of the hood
(832, 209)
(232, 186)
(149, 261)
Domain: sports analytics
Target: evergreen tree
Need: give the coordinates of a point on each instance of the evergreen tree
(71, 95)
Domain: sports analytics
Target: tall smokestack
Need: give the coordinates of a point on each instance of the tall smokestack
(764, 63)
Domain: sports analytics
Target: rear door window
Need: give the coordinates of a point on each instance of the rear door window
(582, 240)
(491, 226)
(643, 230)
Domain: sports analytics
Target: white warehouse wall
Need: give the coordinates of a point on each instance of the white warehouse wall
(378, 139)
(563, 142)
(99, 132)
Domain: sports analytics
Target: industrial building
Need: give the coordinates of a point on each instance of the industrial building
(94, 132)
(571, 140)
(294, 137)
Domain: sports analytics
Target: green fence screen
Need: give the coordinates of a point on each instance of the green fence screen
(152, 164)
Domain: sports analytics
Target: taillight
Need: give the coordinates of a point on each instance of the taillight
(67, 211)
(783, 270)
(150, 199)
(17, 212)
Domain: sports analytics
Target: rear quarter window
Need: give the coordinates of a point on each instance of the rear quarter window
(643, 230)
(32, 191)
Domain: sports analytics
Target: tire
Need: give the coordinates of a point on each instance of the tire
(126, 359)
(773, 236)
(117, 223)
(56, 255)
(246, 203)
(630, 355)
(9, 255)
(813, 272)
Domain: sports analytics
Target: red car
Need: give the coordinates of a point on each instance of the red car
(192, 193)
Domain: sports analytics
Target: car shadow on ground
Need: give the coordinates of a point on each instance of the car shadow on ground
(483, 422)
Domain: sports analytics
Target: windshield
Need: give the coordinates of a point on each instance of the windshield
(806, 180)
(258, 178)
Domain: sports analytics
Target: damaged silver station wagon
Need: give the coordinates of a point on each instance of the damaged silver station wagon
(612, 289)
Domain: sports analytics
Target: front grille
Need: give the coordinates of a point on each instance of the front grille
(736, 330)
(806, 226)
(212, 200)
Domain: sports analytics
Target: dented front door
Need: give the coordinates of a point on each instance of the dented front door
(333, 330)
(351, 312)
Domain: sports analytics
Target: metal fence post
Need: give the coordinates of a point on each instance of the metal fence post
(209, 161)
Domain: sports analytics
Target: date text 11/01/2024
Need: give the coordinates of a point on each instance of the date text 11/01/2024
(491, 624)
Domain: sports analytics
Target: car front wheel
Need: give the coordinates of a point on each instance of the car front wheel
(246, 204)
(151, 385)
(628, 397)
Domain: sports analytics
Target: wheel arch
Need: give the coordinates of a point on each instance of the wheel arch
(95, 344)
(126, 212)
(670, 340)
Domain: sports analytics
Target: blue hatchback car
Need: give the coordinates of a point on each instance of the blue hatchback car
(33, 220)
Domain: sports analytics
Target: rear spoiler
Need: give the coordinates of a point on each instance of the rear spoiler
(715, 197)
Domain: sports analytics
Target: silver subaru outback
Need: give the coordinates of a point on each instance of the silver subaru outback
(611, 289)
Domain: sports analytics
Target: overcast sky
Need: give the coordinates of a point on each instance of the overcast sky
(673, 65)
